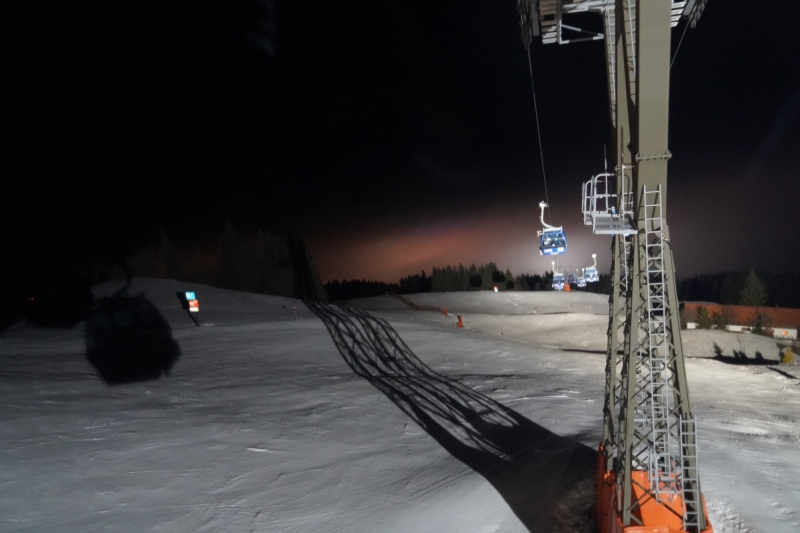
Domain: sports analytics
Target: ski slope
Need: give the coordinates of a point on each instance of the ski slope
(276, 417)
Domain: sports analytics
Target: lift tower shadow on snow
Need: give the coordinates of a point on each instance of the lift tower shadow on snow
(547, 480)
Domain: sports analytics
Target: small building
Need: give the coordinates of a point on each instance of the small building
(783, 333)
(779, 323)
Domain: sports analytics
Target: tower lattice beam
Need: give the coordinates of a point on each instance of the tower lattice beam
(647, 467)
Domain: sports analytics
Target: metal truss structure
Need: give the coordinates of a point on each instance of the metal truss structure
(603, 210)
(647, 471)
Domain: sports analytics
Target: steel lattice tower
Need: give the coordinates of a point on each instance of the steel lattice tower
(647, 471)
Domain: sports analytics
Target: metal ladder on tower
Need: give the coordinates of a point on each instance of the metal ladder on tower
(690, 481)
(610, 28)
(664, 456)
(673, 459)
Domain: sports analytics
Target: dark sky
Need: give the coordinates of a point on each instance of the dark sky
(392, 136)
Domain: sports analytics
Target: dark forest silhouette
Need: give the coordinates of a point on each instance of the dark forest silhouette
(783, 290)
(265, 264)
(454, 279)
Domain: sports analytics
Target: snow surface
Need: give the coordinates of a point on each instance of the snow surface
(281, 418)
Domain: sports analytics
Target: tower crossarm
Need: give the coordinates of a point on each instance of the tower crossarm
(554, 21)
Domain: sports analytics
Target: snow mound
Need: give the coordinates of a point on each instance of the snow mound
(218, 307)
(495, 303)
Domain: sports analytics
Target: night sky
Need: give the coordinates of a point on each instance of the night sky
(391, 136)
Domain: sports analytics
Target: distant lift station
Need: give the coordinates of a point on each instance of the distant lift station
(647, 477)
(552, 240)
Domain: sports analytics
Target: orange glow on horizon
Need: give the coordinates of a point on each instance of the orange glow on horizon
(508, 238)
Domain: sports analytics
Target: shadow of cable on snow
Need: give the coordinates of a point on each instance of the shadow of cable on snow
(547, 480)
(577, 350)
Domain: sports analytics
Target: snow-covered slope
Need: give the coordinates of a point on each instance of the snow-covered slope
(344, 422)
(218, 307)
(493, 303)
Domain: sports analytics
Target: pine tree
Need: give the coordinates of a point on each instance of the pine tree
(754, 292)
(424, 283)
(307, 282)
(274, 266)
(703, 320)
(510, 285)
(436, 280)
(317, 280)
(463, 278)
(719, 320)
(486, 276)
(475, 280)
(760, 324)
(547, 280)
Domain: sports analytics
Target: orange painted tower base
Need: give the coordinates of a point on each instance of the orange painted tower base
(656, 517)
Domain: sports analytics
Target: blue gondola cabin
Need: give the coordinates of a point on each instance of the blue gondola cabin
(552, 242)
(591, 275)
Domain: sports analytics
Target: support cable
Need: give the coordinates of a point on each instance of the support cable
(597, 242)
(538, 132)
(686, 27)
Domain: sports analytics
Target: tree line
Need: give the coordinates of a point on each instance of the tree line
(754, 288)
(454, 279)
(265, 264)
